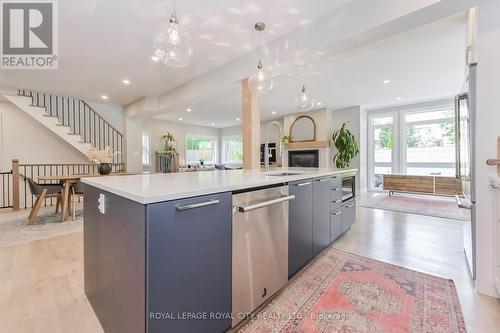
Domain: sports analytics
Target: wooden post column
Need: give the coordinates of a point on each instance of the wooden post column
(15, 184)
(251, 128)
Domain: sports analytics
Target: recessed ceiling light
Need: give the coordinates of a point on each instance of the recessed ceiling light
(180, 119)
(237, 119)
(155, 58)
(319, 104)
(387, 81)
(274, 112)
(125, 81)
(399, 98)
(188, 110)
(213, 124)
(104, 96)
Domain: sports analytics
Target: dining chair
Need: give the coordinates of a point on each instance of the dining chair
(42, 192)
(76, 191)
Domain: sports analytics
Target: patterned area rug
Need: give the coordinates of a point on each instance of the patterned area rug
(344, 292)
(429, 206)
(14, 230)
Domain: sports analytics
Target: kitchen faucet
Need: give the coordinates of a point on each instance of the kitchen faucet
(266, 147)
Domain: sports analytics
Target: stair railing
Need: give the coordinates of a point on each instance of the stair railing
(81, 119)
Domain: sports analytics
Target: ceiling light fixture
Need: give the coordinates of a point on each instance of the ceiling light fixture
(155, 58)
(319, 104)
(274, 112)
(213, 124)
(188, 110)
(261, 82)
(387, 81)
(237, 119)
(180, 119)
(125, 81)
(304, 101)
(104, 96)
(399, 98)
(172, 44)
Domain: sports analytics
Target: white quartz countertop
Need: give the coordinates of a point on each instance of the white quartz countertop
(158, 187)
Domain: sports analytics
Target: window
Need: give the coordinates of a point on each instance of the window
(201, 148)
(146, 145)
(429, 147)
(382, 143)
(412, 141)
(232, 149)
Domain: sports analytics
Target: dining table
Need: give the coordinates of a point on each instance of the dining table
(67, 181)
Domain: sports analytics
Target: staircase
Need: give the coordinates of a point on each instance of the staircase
(73, 120)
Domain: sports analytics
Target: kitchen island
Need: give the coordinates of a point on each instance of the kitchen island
(197, 252)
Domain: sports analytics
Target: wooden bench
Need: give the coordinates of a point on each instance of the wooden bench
(435, 185)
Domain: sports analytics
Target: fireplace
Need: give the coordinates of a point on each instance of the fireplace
(303, 158)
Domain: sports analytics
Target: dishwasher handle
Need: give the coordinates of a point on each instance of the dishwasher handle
(242, 209)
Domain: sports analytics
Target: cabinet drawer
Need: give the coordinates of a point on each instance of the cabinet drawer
(335, 182)
(335, 225)
(334, 205)
(336, 195)
(348, 215)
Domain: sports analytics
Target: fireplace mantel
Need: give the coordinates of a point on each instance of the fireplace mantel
(307, 144)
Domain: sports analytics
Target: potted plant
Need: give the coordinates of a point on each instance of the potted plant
(347, 147)
(202, 162)
(103, 158)
(168, 143)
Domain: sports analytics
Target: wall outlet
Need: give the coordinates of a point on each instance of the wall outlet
(102, 203)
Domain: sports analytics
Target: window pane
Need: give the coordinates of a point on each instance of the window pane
(383, 144)
(382, 121)
(430, 115)
(233, 149)
(430, 148)
(200, 148)
(145, 148)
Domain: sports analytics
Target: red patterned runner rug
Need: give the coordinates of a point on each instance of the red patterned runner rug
(344, 292)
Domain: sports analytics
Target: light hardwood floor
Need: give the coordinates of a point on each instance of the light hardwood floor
(41, 282)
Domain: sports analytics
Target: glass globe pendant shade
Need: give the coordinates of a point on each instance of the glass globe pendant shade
(304, 101)
(261, 82)
(172, 44)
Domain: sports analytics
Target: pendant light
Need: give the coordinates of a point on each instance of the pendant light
(261, 82)
(304, 101)
(172, 44)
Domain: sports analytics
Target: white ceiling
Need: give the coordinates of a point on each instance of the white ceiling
(103, 42)
(421, 64)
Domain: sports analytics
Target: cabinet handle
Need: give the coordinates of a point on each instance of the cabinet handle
(242, 209)
(197, 205)
(349, 206)
(322, 180)
(337, 213)
(303, 184)
(337, 201)
(336, 189)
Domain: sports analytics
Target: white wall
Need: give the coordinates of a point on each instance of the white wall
(354, 115)
(23, 138)
(113, 113)
(487, 129)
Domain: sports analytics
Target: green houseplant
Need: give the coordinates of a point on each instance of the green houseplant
(347, 147)
(168, 142)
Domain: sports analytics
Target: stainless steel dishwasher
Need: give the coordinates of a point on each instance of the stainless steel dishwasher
(260, 247)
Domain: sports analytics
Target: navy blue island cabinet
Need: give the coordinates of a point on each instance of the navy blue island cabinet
(163, 267)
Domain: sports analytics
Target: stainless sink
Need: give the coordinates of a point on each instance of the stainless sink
(284, 174)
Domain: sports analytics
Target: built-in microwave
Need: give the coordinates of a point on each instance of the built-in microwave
(348, 188)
